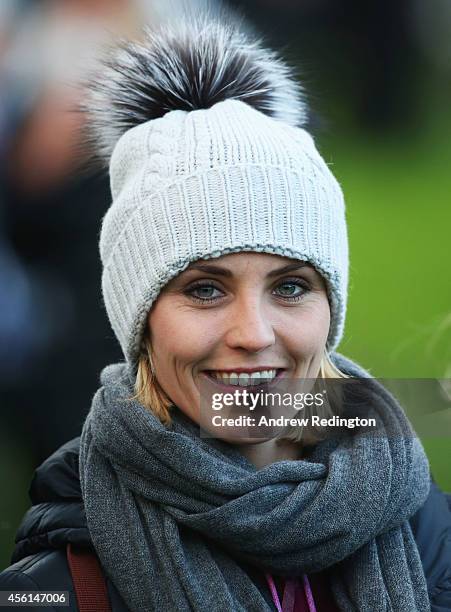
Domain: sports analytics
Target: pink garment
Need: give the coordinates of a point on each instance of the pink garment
(297, 595)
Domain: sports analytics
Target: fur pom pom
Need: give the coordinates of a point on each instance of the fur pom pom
(192, 64)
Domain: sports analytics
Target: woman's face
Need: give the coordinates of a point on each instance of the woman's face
(239, 311)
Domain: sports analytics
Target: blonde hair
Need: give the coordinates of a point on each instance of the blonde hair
(149, 393)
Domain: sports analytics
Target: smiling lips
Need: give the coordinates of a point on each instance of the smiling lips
(244, 379)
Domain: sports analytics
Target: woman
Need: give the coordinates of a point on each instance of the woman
(225, 255)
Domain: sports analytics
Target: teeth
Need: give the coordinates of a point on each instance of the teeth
(244, 379)
(233, 379)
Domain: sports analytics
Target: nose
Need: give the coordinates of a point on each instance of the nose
(249, 326)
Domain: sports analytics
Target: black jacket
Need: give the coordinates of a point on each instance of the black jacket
(57, 517)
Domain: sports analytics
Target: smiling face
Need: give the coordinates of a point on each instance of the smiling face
(237, 313)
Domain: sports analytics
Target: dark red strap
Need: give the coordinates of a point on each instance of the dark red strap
(88, 579)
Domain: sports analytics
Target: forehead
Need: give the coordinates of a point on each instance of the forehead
(246, 261)
(245, 265)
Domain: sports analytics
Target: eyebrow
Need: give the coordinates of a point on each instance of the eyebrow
(217, 270)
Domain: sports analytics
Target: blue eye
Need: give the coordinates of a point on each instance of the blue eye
(205, 290)
(293, 286)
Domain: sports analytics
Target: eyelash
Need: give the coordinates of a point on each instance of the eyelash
(289, 281)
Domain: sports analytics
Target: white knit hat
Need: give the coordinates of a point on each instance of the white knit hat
(206, 161)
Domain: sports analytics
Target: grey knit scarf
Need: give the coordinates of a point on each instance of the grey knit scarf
(176, 518)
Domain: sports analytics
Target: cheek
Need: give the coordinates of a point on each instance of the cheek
(179, 336)
(311, 328)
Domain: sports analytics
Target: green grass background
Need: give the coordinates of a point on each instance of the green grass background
(398, 196)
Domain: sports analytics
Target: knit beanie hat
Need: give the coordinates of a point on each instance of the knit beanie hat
(202, 130)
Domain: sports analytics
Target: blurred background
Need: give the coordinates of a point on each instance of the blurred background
(377, 75)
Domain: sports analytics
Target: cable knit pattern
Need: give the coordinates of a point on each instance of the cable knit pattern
(204, 183)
